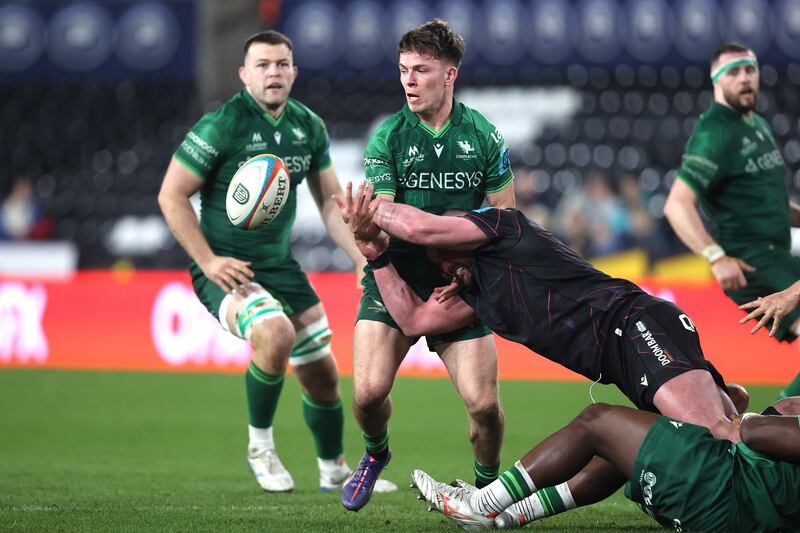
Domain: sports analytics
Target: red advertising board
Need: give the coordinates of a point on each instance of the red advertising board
(151, 320)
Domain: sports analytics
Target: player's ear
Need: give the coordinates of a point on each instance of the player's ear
(451, 75)
(295, 72)
(243, 75)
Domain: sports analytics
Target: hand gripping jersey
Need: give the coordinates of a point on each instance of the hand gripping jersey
(221, 141)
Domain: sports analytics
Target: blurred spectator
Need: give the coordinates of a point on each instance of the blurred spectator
(593, 221)
(641, 225)
(21, 214)
(644, 231)
(527, 193)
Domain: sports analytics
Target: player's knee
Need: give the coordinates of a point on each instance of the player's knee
(370, 396)
(273, 339)
(320, 379)
(593, 414)
(485, 411)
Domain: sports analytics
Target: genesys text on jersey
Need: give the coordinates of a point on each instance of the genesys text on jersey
(443, 181)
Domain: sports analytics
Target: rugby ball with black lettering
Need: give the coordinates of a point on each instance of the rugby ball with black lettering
(257, 192)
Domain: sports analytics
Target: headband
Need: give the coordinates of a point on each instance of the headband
(730, 64)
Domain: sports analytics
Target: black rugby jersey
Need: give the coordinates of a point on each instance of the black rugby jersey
(528, 287)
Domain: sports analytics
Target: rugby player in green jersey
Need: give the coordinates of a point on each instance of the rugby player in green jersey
(249, 280)
(734, 169)
(676, 472)
(435, 154)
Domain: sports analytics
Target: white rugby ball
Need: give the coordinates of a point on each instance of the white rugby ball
(258, 191)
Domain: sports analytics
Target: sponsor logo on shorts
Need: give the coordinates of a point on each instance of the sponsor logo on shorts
(647, 481)
(659, 353)
(377, 306)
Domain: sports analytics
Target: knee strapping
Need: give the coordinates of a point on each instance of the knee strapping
(258, 306)
(312, 343)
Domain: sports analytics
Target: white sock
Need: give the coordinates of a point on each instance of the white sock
(328, 465)
(533, 508)
(260, 438)
(497, 496)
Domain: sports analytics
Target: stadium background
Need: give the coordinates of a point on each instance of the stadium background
(596, 99)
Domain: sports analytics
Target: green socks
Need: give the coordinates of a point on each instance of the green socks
(326, 422)
(263, 391)
(378, 446)
(485, 474)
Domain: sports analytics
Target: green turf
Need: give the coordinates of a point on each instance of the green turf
(133, 451)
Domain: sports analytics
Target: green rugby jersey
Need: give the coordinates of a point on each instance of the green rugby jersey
(736, 170)
(453, 168)
(766, 491)
(221, 141)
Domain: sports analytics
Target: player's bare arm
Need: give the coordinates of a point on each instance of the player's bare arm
(178, 186)
(418, 227)
(415, 316)
(777, 437)
(681, 211)
(323, 185)
(775, 307)
(504, 198)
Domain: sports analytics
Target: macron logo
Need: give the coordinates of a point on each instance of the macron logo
(438, 149)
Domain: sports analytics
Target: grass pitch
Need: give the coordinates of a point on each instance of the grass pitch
(137, 451)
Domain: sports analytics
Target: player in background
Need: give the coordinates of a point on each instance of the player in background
(249, 280)
(436, 154)
(531, 289)
(734, 170)
(677, 472)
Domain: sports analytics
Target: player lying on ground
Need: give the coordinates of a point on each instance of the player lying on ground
(677, 472)
(530, 288)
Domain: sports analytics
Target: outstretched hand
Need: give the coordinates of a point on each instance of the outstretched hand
(775, 306)
(358, 212)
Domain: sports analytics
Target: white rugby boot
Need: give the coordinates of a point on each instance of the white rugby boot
(269, 471)
(453, 502)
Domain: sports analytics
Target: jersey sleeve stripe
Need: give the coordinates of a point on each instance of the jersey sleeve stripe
(502, 185)
(484, 226)
(691, 185)
(189, 166)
